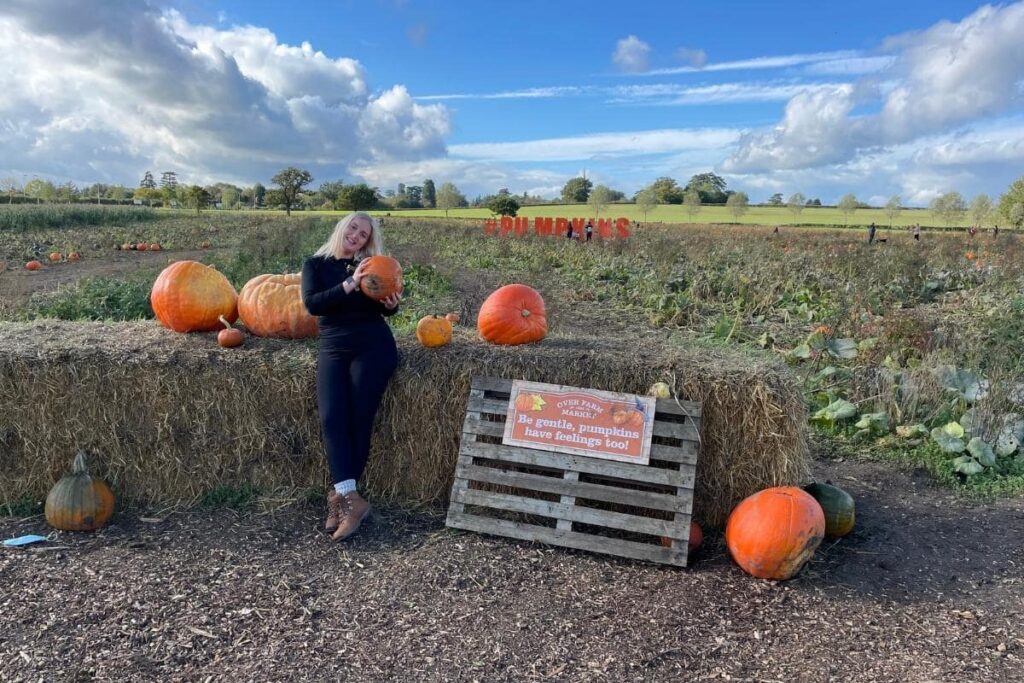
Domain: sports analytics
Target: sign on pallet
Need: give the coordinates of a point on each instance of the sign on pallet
(537, 493)
(598, 424)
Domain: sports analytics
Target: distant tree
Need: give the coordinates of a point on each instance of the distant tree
(847, 205)
(981, 209)
(259, 195)
(710, 186)
(229, 197)
(10, 186)
(949, 207)
(738, 203)
(813, 202)
(893, 208)
(274, 199)
(795, 204)
(357, 197)
(40, 190)
(401, 189)
(414, 196)
(67, 192)
(330, 190)
(646, 201)
(1013, 197)
(449, 197)
(148, 194)
(667, 191)
(577, 190)
(429, 194)
(147, 181)
(503, 205)
(775, 199)
(117, 192)
(196, 197)
(168, 179)
(291, 180)
(599, 198)
(691, 200)
(1016, 215)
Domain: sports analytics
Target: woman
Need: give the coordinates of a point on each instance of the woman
(357, 358)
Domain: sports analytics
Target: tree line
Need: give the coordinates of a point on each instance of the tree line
(291, 190)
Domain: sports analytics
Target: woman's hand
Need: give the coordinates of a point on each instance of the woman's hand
(391, 302)
(357, 276)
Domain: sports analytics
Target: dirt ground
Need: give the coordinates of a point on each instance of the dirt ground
(928, 587)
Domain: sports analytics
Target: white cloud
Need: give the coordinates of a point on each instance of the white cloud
(631, 54)
(103, 90)
(852, 66)
(694, 57)
(673, 94)
(600, 145)
(770, 62)
(946, 76)
(526, 93)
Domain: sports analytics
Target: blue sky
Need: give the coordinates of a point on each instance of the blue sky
(827, 98)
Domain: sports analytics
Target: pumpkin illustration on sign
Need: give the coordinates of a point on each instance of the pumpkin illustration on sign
(533, 402)
(628, 416)
(513, 314)
(382, 277)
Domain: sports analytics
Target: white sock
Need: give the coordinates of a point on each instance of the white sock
(347, 486)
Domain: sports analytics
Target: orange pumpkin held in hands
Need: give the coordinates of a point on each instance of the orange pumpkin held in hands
(33, 265)
(433, 331)
(79, 502)
(382, 277)
(772, 533)
(229, 337)
(190, 297)
(271, 306)
(513, 314)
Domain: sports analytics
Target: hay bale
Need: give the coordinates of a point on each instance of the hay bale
(168, 417)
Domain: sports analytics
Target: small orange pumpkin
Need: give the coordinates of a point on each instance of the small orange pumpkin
(513, 314)
(772, 533)
(33, 265)
(229, 337)
(74, 256)
(155, 246)
(205, 245)
(191, 297)
(141, 246)
(433, 331)
(271, 306)
(55, 256)
(382, 277)
(453, 317)
(694, 542)
(79, 502)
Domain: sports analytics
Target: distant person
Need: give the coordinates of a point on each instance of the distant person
(588, 230)
(775, 230)
(568, 231)
(995, 231)
(871, 233)
(917, 232)
(972, 231)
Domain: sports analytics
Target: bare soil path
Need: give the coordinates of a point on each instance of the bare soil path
(929, 587)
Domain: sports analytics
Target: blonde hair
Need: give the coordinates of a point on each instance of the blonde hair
(374, 243)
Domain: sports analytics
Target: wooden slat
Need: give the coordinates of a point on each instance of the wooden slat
(678, 503)
(454, 506)
(560, 511)
(678, 430)
(569, 539)
(525, 456)
(570, 478)
(664, 405)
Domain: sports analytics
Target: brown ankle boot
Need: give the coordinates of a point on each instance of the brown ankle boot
(354, 509)
(334, 512)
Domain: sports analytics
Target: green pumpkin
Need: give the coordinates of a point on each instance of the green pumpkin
(837, 505)
(79, 501)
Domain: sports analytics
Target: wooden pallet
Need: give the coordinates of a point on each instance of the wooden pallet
(602, 506)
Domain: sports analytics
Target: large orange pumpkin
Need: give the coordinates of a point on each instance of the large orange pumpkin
(382, 277)
(434, 331)
(79, 502)
(271, 306)
(513, 314)
(190, 297)
(772, 533)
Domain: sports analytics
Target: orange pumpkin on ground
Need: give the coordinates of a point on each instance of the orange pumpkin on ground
(55, 256)
(154, 247)
(694, 542)
(74, 256)
(513, 314)
(271, 306)
(205, 245)
(141, 246)
(772, 533)
(79, 502)
(190, 297)
(433, 331)
(33, 265)
(382, 277)
(229, 337)
(453, 317)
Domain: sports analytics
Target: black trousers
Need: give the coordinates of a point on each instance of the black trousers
(352, 372)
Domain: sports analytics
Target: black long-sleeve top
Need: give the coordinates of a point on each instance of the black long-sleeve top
(323, 293)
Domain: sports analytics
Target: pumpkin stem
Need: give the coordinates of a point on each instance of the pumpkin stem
(526, 312)
(225, 321)
(79, 465)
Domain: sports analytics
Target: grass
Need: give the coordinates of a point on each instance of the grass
(94, 299)
(241, 497)
(22, 217)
